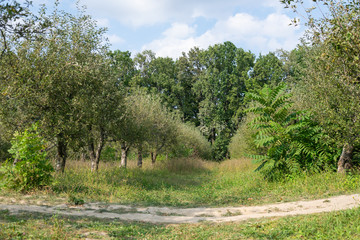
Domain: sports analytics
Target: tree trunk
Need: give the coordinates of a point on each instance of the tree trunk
(96, 153)
(83, 157)
(345, 160)
(213, 136)
(61, 154)
(92, 156)
(140, 161)
(153, 157)
(124, 153)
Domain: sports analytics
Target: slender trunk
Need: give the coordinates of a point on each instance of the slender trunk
(345, 160)
(153, 157)
(83, 157)
(124, 153)
(140, 161)
(92, 156)
(61, 154)
(96, 153)
(213, 136)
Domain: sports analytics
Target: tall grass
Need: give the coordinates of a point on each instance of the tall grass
(192, 182)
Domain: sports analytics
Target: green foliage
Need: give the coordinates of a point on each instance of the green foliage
(242, 143)
(293, 142)
(268, 70)
(109, 153)
(220, 148)
(5, 144)
(220, 91)
(190, 142)
(32, 169)
(17, 21)
(330, 86)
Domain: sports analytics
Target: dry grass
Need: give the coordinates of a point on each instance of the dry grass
(181, 165)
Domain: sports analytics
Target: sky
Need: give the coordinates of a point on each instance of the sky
(170, 27)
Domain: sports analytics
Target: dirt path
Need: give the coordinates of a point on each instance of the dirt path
(192, 215)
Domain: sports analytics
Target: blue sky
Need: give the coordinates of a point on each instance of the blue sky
(170, 27)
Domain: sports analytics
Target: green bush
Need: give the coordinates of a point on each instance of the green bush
(219, 149)
(32, 169)
(190, 142)
(294, 143)
(242, 143)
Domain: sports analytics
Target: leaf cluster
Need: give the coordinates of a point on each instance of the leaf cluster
(293, 141)
(32, 169)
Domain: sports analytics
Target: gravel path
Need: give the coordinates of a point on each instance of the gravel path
(192, 215)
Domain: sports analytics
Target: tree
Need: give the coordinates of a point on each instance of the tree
(10, 14)
(189, 68)
(149, 125)
(157, 75)
(331, 87)
(268, 69)
(123, 67)
(105, 110)
(48, 79)
(220, 90)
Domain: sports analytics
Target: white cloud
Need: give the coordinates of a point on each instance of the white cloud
(179, 30)
(244, 30)
(103, 22)
(149, 12)
(134, 12)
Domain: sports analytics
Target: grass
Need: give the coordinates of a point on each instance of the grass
(335, 225)
(184, 183)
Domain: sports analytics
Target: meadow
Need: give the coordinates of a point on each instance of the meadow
(182, 183)
(186, 183)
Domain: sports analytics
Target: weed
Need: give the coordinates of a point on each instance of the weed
(168, 214)
(59, 231)
(73, 200)
(230, 214)
(204, 215)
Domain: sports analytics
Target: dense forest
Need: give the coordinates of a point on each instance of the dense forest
(66, 96)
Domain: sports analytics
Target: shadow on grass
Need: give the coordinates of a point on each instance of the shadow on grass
(21, 226)
(84, 181)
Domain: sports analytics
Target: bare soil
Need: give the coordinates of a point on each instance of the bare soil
(190, 215)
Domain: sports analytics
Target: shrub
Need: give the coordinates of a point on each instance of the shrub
(190, 142)
(294, 143)
(32, 169)
(219, 149)
(242, 143)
